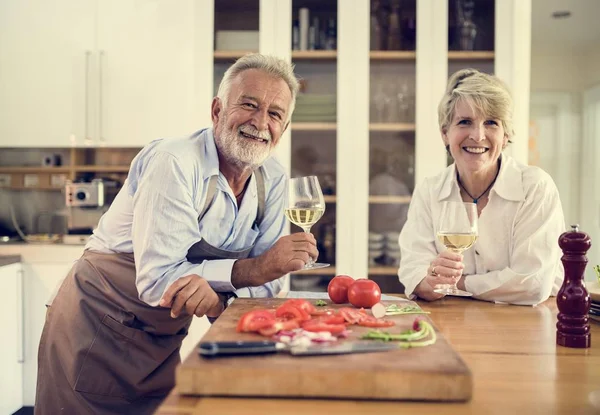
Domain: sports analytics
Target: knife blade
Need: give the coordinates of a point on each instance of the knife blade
(215, 349)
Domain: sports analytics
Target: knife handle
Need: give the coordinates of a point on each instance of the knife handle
(209, 349)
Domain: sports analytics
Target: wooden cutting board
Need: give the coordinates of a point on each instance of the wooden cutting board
(434, 372)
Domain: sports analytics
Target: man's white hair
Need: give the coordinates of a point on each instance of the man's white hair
(269, 64)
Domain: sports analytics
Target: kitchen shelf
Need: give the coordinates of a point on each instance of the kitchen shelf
(102, 169)
(392, 127)
(314, 55)
(383, 270)
(400, 200)
(318, 271)
(314, 126)
(393, 55)
(460, 55)
(330, 198)
(44, 188)
(231, 54)
(47, 170)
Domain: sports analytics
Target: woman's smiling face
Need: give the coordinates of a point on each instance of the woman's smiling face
(475, 141)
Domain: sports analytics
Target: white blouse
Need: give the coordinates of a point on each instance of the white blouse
(516, 258)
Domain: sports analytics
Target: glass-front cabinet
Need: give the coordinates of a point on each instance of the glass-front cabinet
(372, 73)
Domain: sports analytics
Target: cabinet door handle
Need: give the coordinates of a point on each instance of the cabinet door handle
(87, 138)
(20, 317)
(100, 96)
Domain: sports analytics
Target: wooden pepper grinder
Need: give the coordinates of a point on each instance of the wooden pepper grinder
(573, 300)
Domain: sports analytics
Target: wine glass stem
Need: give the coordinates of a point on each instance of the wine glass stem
(306, 229)
(459, 252)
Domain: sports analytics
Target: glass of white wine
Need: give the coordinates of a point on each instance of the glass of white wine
(458, 232)
(306, 205)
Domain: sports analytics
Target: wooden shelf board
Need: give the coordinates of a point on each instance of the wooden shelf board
(457, 55)
(231, 54)
(390, 199)
(102, 169)
(393, 55)
(319, 271)
(383, 271)
(314, 54)
(44, 188)
(330, 198)
(314, 126)
(46, 170)
(393, 127)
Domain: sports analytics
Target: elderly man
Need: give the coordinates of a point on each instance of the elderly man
(198, 220)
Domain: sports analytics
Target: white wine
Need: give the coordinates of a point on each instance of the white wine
(304, 217)
(457, 241)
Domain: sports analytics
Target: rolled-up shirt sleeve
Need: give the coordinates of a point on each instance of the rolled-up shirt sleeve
(165, 226)
(417, 242)
(532, 272)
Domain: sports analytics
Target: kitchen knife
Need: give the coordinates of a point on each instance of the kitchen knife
(213, 349)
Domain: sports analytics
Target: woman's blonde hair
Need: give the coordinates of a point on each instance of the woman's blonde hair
(485, 93)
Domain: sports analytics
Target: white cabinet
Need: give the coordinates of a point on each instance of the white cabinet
(146, 71)
(45, 64)
(41, 279)
(116, 73)
(11, 324)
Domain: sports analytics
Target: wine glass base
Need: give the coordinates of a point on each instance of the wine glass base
(316, 265)
(452, 291)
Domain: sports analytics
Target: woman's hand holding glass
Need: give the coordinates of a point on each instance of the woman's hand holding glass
(457, 232)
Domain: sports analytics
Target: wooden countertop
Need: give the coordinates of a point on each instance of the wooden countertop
(511, 350)
(9, 259)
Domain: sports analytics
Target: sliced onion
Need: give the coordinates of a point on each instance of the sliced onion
(378, 310)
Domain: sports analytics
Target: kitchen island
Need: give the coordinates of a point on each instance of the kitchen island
(512, 353)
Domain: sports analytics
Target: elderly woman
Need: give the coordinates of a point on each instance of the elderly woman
(516, 258)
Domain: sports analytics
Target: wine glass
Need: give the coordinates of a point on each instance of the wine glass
(305, 207)
(458, 232)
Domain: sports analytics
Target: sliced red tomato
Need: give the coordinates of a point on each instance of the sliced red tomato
(255, 320)
(317, 325)
(370, 321)
(279, 325)
(303, 304)
(333, 319)
(322, 312)
(352, 315)
(291, 312)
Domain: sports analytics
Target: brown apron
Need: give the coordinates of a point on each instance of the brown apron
(104, 351)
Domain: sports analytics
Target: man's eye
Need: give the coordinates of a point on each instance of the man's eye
(491, 122)
(275, 115)
(464, 122)
(248, 105)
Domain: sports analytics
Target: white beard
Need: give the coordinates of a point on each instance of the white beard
(241, 151)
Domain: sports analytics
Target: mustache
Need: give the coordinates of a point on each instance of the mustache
(247, 129)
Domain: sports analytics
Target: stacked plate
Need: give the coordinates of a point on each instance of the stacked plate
(315, 108)
(392, 248)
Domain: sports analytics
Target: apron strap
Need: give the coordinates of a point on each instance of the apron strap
(260, 189)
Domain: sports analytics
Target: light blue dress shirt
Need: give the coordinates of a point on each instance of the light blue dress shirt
(155, 216)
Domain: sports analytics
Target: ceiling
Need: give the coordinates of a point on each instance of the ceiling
(580, 33)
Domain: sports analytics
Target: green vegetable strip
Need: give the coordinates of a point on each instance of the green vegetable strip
(394, 310)
(406, 339)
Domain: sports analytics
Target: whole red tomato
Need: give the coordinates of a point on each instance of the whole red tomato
(364, 293)
(338, 288)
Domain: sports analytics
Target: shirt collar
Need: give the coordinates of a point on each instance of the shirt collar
(509, 183)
